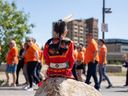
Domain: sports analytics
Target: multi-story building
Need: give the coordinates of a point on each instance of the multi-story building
(116, 49)
(78, 29)
(92, 26)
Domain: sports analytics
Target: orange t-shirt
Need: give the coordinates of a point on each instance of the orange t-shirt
(30, 54)
(102, 55)
(75, 53)
(92, 47)
(42, 58)
(12, 56)
(80, 56)
(39, 51)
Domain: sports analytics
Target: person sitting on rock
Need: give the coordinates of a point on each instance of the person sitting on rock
(58, 52)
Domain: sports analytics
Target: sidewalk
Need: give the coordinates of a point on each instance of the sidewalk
(117, 90)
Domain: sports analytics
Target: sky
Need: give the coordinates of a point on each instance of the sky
(44, 12)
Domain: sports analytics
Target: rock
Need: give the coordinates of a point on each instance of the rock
(66, 87)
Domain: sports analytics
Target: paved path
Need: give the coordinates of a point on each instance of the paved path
(117, 90)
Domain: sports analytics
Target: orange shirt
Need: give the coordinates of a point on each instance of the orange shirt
(102, 55)
(80, 56)
(12, 56)
(30, 54)
(92, 47)
(39, 51)
(75, 54)
(42, 58)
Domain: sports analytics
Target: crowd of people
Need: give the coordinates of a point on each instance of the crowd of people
(63, 57)
(29, 59)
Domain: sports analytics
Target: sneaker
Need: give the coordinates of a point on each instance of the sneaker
(13, 85)
(34, 84)
(99, 89)
(125, 85)
(109, 86)
(30, 89)
(26, 87)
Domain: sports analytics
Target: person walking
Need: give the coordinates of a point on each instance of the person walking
(91, 58)
(102, 63)
(75, 53)
(12, 61)
(32, 58)
(20, 64)
(39, 64)
(79, 62)
(84, 65)
(25, 65)
(126, 66)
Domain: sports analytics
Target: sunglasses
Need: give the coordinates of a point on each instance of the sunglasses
(29, 40)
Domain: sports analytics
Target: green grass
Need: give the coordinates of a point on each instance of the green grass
(123, 73)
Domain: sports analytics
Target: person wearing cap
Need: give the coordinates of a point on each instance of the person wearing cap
(58, 52)
(91, 59)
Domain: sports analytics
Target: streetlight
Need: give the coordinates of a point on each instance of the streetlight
(104, 26)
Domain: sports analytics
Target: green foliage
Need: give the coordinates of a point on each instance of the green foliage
(13, 25)
(117, 62)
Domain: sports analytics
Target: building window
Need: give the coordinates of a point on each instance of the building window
(81, 39)
(75, 38)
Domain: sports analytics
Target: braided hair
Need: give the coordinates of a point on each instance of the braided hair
(59, 27)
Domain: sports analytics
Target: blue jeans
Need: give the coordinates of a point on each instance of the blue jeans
(91, 72)
(102, 73)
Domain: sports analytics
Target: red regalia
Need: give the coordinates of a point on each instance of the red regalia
(58, 55)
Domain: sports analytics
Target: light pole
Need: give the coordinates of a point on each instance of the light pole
(104, 26)
(103, 19)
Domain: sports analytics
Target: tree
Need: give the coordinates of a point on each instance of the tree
(13, 25)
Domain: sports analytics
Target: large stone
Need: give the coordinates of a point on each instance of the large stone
(65, 87)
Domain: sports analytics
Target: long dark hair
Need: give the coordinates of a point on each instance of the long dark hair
(59, 27)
